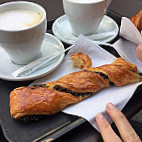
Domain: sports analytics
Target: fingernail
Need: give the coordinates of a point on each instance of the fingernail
(111, 106)
(99, 116)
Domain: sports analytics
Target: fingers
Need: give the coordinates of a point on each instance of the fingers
(139, 52)
(106, 131)
(126, 131)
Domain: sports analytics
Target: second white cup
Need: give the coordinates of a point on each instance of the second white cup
(85, 15)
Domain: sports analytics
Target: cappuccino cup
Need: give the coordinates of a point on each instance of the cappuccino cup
(22, 29)
(85, 16)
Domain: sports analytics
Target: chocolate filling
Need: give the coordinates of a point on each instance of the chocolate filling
(32, 118)
(105, 77)
(40, 85)
(62, 89)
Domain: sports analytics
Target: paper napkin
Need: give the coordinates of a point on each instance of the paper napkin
(97, 103)
(126, 46)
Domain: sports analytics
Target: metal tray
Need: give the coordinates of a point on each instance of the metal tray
(50, 128)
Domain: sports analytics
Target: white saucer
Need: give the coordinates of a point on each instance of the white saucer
(50, 45)
(107, 31)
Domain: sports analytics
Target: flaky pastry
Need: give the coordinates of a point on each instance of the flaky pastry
(52, 97)
(81, 60)
(137, 20)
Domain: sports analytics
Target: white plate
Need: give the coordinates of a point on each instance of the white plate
(107, 31)
(50, 45)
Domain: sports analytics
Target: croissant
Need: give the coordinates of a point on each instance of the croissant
(52, 97)
(137, 20)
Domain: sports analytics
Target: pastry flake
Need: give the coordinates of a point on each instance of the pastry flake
(81, 60)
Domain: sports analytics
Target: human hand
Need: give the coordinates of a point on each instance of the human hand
(139, 52)
(126, 131)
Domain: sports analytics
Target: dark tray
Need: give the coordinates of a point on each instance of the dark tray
(55, 126)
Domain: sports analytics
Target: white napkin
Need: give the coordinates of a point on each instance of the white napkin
(126, 46)
(97, 103)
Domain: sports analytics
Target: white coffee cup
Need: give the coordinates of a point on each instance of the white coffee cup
(23, 45)
(85, 15)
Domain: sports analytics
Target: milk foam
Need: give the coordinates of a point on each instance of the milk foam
(18, 19)
(85, 1)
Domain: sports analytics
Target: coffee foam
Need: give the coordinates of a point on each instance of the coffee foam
(19, 19)
(85, 1)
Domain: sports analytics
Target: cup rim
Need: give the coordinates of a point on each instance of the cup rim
(76, 2)
(25, 2)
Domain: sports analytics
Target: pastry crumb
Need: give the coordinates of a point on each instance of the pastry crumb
(81, 60)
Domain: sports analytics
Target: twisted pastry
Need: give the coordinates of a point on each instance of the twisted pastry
(52, 97)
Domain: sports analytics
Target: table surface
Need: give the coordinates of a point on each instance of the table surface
(84, 132)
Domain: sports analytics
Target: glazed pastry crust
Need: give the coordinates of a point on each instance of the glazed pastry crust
(81, 82)
(34, 101)
(137, 20)
(52, 97)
